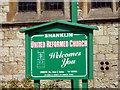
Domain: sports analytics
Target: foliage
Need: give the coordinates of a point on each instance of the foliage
(25, 83)
(15, 83)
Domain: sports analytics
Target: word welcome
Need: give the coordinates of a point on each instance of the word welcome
(51, 44)
(56, 55)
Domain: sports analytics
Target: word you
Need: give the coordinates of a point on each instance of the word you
(65, 57)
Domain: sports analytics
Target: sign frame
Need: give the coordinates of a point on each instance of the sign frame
(60, 27)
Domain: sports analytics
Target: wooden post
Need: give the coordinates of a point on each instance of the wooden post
(84, 85)
(37, 83)
(76, 84)
(74, 11)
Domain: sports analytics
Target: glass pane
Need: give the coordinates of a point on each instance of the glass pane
(27, 6)
(101, 4)
(119, 3)
(53, 5)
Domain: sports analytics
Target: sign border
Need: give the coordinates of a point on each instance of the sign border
(63, 76)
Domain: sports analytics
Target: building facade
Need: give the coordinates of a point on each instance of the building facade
(19, 15)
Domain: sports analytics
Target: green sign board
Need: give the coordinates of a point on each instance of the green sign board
(59, 50)
(59, 55)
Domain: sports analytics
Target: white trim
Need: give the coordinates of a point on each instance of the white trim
(37, 36)
(82, 34)
(61, 76)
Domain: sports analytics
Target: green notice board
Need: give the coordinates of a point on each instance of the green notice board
(59, 50)
(59, 55)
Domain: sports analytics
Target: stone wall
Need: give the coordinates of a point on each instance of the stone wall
(12, 49)
(4, 9)
(105, 49)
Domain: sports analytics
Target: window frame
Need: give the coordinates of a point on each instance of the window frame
(100, 5)
(28, 7)
(88, 10)
(57, 9)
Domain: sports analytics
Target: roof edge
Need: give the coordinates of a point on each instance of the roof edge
(61, 22)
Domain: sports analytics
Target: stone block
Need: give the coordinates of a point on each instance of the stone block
(113, 31)
(115, 48)
(111, 56)
(99, 83)
(12, 51)
(1, 77)
(105, 49)
(1, 35)
(4, 59)
(113, 84)
(1, 2)
(102, 40)
(19, 77)
(114, 65)
(6, 3)
(11, 59)
(10, 68)
(7, 77)
(1, 65)
(115, 24)
(95, 66)
(95, 49)
(20, 58)
(94, 57)
(6, 28)
(98, 32)
(90, 84)
(100, 57)
(1, 43)
(16, 28)
(4, 51)
(105, 30)
(100, 74)
(6, 8)
(11, 42)
(3, 17)
(19, 51)
(95, 74)
(10, 34)
(64, 84)
(113, 75)
(20, 35)
(113, 39)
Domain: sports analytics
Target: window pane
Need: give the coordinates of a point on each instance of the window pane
(53, 5)
(27, 6)
(119, 3)
(101, 4)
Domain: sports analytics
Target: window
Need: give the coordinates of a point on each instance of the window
(119, 3)
(101, 4)
(27, 6)
(53, 6)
